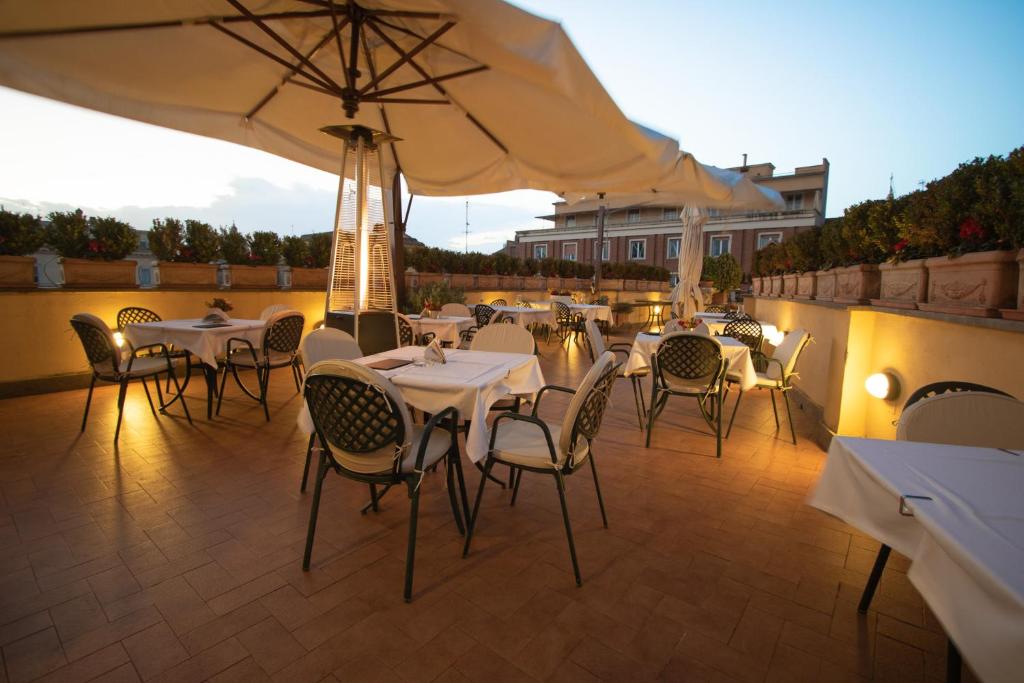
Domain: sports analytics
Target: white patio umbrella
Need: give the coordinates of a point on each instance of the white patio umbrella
(687, 298)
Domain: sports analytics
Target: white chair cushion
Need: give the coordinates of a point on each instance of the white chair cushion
(329, 343)
(381, 461)
(271, 310)
(143, 366)
(967, 418)
(243, 358)
(523, 443)
(503, 339)
(453, 309)
(787, 353)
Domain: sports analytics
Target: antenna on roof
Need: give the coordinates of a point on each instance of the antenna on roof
(891, 193)
(744, 167)
(467, 226)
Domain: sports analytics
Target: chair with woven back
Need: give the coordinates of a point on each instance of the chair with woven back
(483, 315)
(529, 444)
(596, 347)
(368, 436)
(456, 310)
(569, 324)
(406, 335)
(775, 373)
(110, 364)
(131, 315)
(716, 308)
(278, 348)
(690, 365)
(745, 330)
(499, 302)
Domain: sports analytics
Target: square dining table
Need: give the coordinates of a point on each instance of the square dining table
(446, 328)
(736, 352)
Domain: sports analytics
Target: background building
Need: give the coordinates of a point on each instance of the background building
(650, 235)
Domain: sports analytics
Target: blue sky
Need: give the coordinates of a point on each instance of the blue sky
(908, 88)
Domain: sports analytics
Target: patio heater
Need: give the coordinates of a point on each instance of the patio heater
(361, 288)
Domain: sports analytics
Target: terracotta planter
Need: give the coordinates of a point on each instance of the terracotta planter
(755, 286)
(615, 285)
(976, 284)
(857, 284)
(776, 288)
(428, 278)
(553, 283)
(253, 277)
(309, 278)
(631, 285)
(903, 285)
(825, 281)
(806, 286)
(488, 282)
(789, 285)
(720, 298)
(90, 274)
(460, 280)
(17, 272)
(1017, 313)
(533, 282)
(187, 275)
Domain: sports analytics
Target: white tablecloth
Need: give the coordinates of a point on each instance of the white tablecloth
(206, 343)
(737, 353)
(589, 311)
(713, 326)
(966, 543)
(528, 316)
(471, 381)
(446, 328)
(703, 315)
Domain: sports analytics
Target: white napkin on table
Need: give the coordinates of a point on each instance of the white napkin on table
(434, 353)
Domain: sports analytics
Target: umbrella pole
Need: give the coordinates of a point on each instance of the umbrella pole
(398, 258)
(598, 260)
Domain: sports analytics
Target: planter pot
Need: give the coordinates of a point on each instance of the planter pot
(615, 285)
(857, 284)
(309, 278)
(17, 272)
(428, 278)
(806, 286)
(631, 285)
(89, 274)
(755, 286)
(903, 285)
(253, 277)
(187, 275)
(789, 285)
(1017, 313)
(976, 284)
(720, 298)
(488, 282)
(776, 286)
(553, 283)
(825, 281)
(460, 280)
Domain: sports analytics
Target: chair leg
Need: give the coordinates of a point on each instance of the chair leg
(410, 553)
(789, 414)
(181, 395)
(264, 387)
(309, 456)
(775, 411)
(476, 505)
(560, 482)
(954, 662)
(120, 407)
(223, 381)
(651, 411)
(735, 407)
(449, 474)
(876, 575)
(597, 487)
(88, 401)
(321, 472)
(374, 498)
(515, 488)
(638, 399)
(718, 416)
(148, 397)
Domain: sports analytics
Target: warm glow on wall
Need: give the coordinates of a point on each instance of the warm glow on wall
(119, 339)
(776, 338)
(883, 385)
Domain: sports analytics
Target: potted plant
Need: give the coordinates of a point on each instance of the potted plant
(725, 272)
(20, 235)
(804, 253)
(184, 252)
(611, 277)
(93, 249)
(308, 260)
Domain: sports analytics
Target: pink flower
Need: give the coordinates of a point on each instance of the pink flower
(971, 230)
(900, 246)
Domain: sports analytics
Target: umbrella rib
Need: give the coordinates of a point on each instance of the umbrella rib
(380, 105)
(295, 68)
(407, 56)
(402, 100)
(337, 39)
(430, 81)
(328, 87)
(408, 32)
(282, 42)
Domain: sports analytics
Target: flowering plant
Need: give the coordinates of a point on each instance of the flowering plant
(222, 304)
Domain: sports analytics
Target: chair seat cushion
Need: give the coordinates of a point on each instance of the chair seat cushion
(523, 443)
(381, 461)
(763, 380)
(143, 366)
(244, 358)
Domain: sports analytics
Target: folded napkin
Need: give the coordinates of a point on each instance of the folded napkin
(215, 315)
(434, 353)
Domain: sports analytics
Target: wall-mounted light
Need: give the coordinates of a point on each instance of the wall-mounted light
(119, 339)
(884, 385)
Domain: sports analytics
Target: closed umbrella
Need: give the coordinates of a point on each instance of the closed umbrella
(687, 298)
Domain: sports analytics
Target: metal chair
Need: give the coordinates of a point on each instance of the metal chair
(271, 310)
(278, 349)
(369, 437)
(499, 302)
(776, 374)
(716, 308)
(483, 314)
(130, 315)
(456, 310)
(406, 336)
(569, 325)
(109, 364)
(689, 364)
(530, 444)
(746, 330)
(596, 347)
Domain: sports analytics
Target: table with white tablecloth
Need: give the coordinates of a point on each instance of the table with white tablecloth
(527, 316)
(736, 352)
(962, 527)
(588, 311)
(713, 326)
(199, 339)
(446, 328)
(470, 381)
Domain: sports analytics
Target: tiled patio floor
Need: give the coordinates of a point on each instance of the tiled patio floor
(177, 557)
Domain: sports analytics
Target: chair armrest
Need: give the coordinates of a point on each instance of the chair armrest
(546, 387)
(162, 348)
(519, 417)
(437, 421)
(252, 350)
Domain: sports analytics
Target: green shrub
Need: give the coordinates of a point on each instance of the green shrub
(20, 234)
(831, 245)
(167, 239)
(68, 233)
(202, 244)
(110, 239)
(803, 251)
(264, 247)
(320, 249)
(234, 246)
(723, 270)
(438, 293)
(296, 252)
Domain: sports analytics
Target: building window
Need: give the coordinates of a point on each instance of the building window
(633, 216)
(766, 238)
(570, 220)
(794, 202)
(670, 214)
(721, 244)
(637, 250)
(569, 251)
(606, 250)
(673, 247)
(540, 251)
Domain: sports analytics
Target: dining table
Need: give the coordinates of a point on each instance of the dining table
(741, 365)
(446, 328)
(528, 316)
(713, 326)
(206, 340)
(469, 381)
(588, 311)
(958, 514)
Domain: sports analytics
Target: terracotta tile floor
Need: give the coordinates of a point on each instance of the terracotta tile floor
(177, 557)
